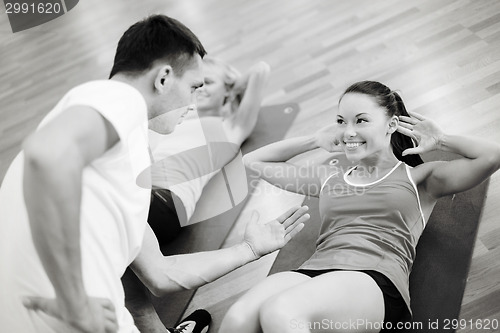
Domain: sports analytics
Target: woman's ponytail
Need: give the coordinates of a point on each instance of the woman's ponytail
(401, 142)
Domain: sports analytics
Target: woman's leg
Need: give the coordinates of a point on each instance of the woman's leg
(243, 316)
(339, 301)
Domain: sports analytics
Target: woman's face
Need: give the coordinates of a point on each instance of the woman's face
(210, 97)
(364, 127)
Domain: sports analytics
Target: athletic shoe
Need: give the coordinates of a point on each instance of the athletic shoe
(196, 322)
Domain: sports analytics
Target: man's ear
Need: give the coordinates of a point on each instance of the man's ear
(393, 124)
(163, 79)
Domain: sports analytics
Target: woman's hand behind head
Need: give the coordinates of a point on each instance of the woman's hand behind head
(327, 138)
(424, 132)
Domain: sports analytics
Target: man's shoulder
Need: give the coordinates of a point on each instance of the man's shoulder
(103, 88)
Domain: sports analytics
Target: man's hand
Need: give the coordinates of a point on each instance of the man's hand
(264, 238)
(98, 317)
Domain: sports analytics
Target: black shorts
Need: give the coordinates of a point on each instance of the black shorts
(163, 217)
(395, 306)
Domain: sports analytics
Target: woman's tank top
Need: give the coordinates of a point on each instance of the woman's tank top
(373, 226)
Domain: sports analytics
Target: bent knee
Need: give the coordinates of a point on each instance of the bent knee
(283, 313)
(239, 318)
(233, 320)
(279, 311)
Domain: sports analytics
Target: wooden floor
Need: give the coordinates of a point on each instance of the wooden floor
(443, 55)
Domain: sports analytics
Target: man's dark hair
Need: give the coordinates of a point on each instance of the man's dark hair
(156, 38)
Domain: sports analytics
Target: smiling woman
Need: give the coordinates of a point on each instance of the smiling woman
(373, 97)
(223, 84)
(372, 215)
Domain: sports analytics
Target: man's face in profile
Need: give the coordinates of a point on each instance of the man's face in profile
(173, 105)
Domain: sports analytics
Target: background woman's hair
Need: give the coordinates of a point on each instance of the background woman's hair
(229, 74)
(392, 102)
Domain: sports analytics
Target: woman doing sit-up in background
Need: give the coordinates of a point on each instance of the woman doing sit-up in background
(227, 106)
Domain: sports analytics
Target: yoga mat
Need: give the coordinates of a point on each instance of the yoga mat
(444, 253)
(272, 124)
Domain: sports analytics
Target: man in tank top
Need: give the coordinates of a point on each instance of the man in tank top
(74, 202)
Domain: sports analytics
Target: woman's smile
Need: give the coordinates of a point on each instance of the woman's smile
(353, 145)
